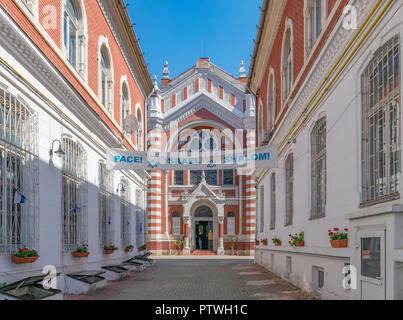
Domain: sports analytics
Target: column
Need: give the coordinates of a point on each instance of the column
(186, 248)
(250, 197)
(220, 249)
(154, 202)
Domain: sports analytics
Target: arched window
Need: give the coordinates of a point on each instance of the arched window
(106, 79)
(315, 15)
(287, 63)
(125, 215)
(105, 204)
(260, 123)
(18, 174)
(381, 122)
(140, 131)
(125, 103)
(231, 224)
(74, 35)
(176, 224)
(318, 167)
(289, 189)
(74, 193)
(271, 102)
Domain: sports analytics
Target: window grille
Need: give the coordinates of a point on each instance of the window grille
(228, 177)
(318, 160)
(231, 224)
(105, 193)
(289, 173)
(74, 192)
(261, 208)
(19, 172)
(176, 224)
(125, 214)
(178, 178)
(381, 141)
(273, 202)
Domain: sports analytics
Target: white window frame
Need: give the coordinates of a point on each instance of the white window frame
(231, 224)
(318, 157)
(75, 194)
(176, 224)
(386, 184)
(125, 104)
(105, 204)
(19, 157)
(125, 214)
(273, 201)
(105, 74)
(289, 189)
(80, 62)
(312, 34)
(287, 61)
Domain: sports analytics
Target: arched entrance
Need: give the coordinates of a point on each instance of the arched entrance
(203, 228)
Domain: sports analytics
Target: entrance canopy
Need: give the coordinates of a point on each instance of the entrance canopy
(264, 157)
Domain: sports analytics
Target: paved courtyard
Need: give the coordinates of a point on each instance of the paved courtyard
(206, 278)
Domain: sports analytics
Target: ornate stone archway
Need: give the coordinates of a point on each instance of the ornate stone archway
(203, 196)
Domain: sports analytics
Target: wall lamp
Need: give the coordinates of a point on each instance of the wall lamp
(59, 152)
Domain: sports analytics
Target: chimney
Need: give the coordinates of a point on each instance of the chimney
(165, 74)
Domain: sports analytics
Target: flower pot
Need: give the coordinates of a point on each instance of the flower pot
(128, 250)
(277, 244)
(339, 243)
(80, 254)
(179, 253)
(17, 260)
(109, 251)
(300, 243)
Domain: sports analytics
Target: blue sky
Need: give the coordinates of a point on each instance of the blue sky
(175, 30)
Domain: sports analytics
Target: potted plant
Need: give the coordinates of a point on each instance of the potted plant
(233, 241)
(143, 248)
(264, 241)
(276, 241)
(129, 248)
(257, 242)
(110, 249)
(24, 255)
(81, 252)
(179, 245)
(338, 239)
(297, 240)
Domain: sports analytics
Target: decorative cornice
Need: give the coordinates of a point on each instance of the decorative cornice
(16, 42)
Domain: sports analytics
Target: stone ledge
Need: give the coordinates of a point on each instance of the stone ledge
(321, 251)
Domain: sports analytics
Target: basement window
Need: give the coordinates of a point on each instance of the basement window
(28, 289)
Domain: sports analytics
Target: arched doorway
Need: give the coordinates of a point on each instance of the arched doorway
(203, 228)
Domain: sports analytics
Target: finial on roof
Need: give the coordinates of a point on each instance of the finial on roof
(155, 82)
(165, 73)
(242, 70)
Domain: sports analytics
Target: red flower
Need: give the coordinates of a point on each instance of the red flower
(20, 250)
(345, 229)
(331, 233)
(336, 229)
